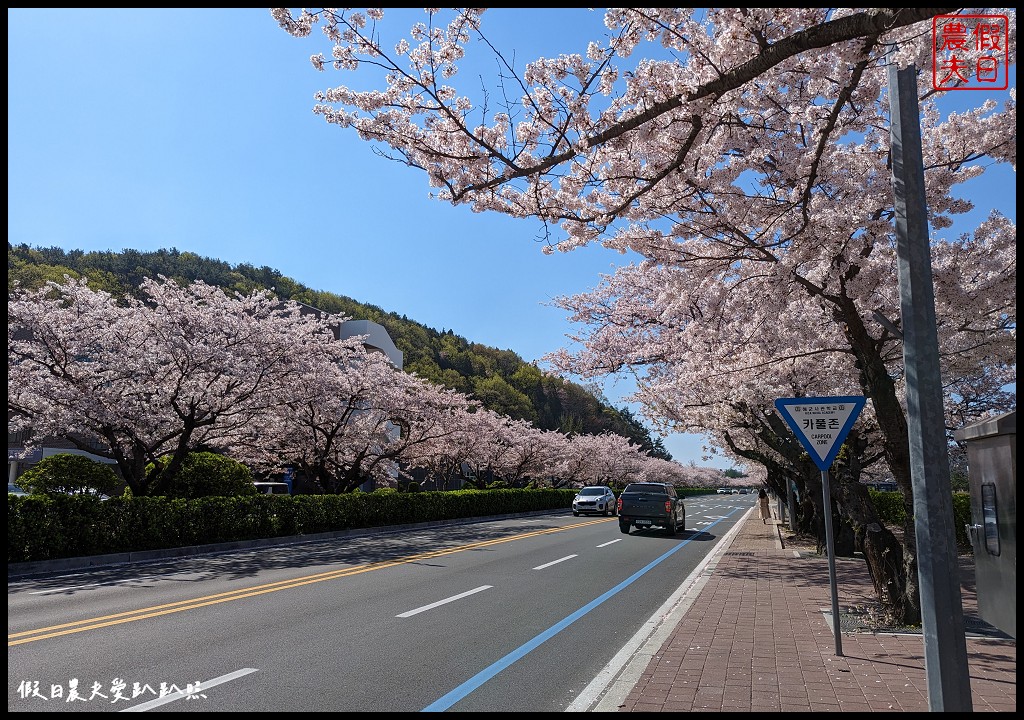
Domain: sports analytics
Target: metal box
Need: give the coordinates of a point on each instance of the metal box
(992, 469)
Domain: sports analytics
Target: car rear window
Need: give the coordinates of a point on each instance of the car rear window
(645, 488)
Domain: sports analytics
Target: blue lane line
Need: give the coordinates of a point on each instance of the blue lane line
(446, 701)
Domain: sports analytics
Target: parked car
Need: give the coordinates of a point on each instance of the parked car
(596, 499)
(272, 488)
(13, 489)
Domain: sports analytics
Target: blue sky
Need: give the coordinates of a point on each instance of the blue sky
(193, 129)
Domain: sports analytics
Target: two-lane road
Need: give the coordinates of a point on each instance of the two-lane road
(507, 615)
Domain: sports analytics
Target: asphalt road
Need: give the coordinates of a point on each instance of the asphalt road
(512, 615)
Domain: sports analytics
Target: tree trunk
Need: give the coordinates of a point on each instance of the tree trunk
(884, 556)
(892, 423)
(844, 536)
(883, 552)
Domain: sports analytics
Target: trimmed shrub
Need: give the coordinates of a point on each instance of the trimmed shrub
(207, 474)
(69, 474)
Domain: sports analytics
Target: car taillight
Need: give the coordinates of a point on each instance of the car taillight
(668, 507)
(618, 504)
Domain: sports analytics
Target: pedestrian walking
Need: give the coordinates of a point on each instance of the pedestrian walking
(762, 500)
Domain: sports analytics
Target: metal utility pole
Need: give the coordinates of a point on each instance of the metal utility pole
(945, 645)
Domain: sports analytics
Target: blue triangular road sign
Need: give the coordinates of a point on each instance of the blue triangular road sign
(821, 423)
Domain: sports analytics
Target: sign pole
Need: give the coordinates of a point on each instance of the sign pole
(829, 547)
(821, 424)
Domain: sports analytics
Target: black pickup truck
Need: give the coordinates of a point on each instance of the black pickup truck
(651, 504)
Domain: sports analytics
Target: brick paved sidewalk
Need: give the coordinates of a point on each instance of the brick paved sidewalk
(758, 638)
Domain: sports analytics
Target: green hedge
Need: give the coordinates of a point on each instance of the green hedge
(54, 527)
(890, 507)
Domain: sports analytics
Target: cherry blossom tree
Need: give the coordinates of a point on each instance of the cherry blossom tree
(743, 155)
(576, 466)
(610, 459)
(683, 476)
(510, 452)
(144, 382)
(442, 461)
(530, 456)
(363, 420)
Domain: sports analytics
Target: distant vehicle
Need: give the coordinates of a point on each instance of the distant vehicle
(724, 491)
(651, 504)
(13, 489)
(744, 491)
(597, 499)
(271, 488)
(91, 493)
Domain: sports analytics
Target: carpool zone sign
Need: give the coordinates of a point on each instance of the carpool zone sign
(821, 423)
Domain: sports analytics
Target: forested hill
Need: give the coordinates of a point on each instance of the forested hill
(501, 379)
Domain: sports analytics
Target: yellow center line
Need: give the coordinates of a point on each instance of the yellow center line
(27, 636)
